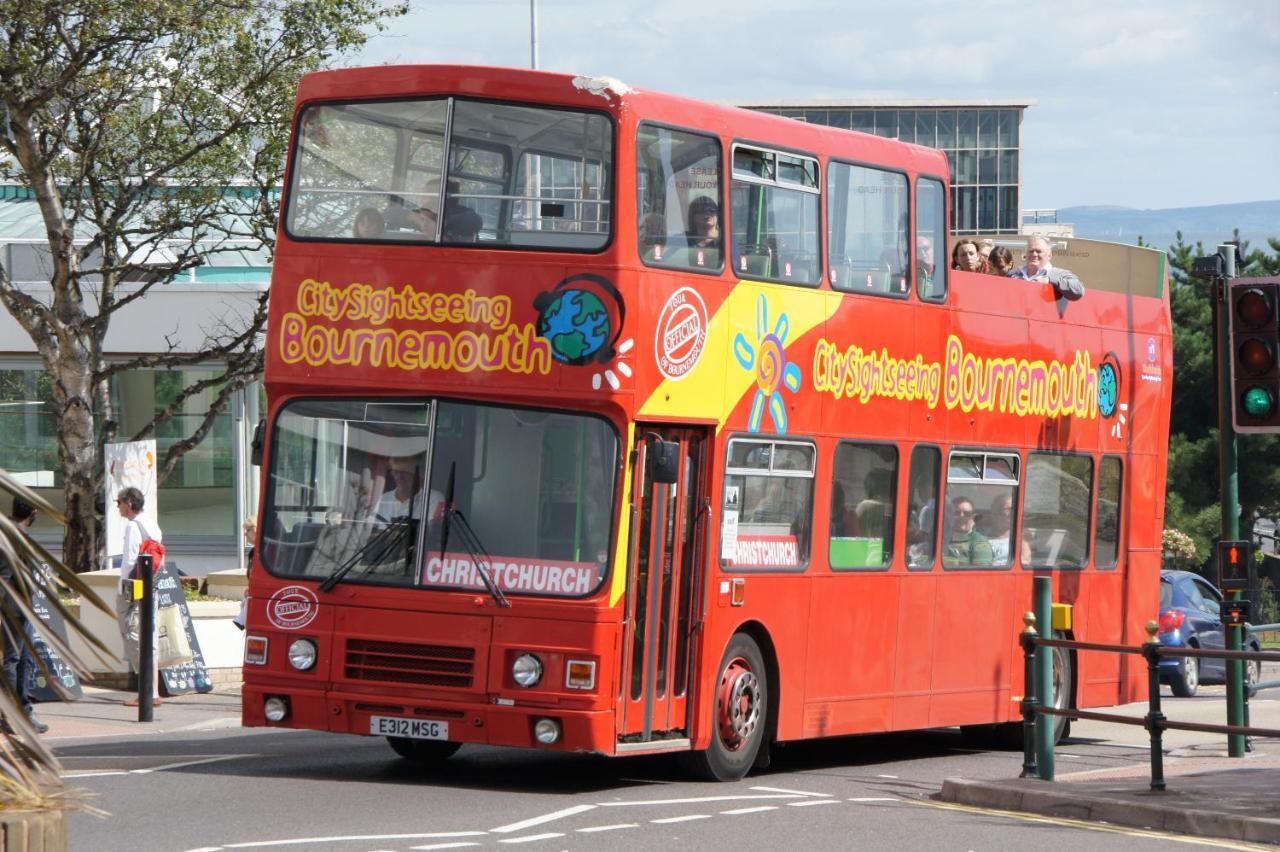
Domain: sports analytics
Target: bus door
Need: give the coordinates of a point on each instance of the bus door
(669, 517)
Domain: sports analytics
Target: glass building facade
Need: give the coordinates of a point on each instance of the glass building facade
(982, 143)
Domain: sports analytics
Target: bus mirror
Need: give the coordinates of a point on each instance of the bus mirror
(255, 446)
(664, 462)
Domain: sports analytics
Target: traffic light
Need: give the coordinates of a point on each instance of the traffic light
(1255, 354)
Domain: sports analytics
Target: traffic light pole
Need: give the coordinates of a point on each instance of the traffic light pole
(1229, 487)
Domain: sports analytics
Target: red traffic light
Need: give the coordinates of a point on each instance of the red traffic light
(1256, 356)
(1255, 308)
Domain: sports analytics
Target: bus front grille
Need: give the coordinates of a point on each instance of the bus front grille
(402, 662)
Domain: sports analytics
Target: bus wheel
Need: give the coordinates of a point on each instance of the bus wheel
(425, 752)
(1062, 680)
(741, 711)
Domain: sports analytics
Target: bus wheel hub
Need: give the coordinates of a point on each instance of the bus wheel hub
(738, 704)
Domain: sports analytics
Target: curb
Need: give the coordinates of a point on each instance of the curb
(1047, 798)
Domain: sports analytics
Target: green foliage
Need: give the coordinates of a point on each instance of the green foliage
(1192, 504)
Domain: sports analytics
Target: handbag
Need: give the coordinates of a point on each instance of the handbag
(172, 645)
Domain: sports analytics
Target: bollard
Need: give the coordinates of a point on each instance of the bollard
(1045, 725)
(1029, 702)
(146, 641)
(1155, 719)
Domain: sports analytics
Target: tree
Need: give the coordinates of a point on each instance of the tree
(151, 136)
(1192, 503)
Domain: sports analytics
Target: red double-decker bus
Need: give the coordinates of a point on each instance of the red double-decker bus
(604, 420)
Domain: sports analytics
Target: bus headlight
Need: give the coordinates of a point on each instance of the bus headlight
(526, 671)
(302, 654)
(275, 708)
(546, 731)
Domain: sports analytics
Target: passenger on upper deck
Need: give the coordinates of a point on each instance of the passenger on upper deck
(967, 257)
(1001, 261)
(925, 264)
(368, 224)
(1039, 268)
(704, 223)
(461, 223)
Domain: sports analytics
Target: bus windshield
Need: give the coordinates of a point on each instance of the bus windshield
(358, 490)
(516, 176)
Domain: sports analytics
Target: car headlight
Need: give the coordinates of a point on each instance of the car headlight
(302, 654)
(526, 671)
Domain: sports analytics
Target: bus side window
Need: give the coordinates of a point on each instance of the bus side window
(1058, 503)
(931, 240)
(678, 193)
(864, 492)
(867, 229)
(922, 507)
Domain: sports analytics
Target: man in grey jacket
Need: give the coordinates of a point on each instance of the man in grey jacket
(1039, 267)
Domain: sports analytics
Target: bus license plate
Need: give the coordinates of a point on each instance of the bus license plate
(417, 729)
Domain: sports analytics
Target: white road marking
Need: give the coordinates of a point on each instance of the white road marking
(163, 767)
(737, 811)
(614, 827)
(457, 845)
(349, 838)
(792, 792)
(895, 777)
(697, 800)
(532, 837)
(689, 818)
(539, 820)
(188, 763)
(812, 802)
(875, 799)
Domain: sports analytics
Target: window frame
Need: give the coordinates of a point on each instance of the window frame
(724, 219)
(290, 188)
(729, 470)
(733, 175)
(1089, 522)
(940, 235)
(1097, 514)
(939, 494)
(907, 241)
(891, 528)
(1015, 529)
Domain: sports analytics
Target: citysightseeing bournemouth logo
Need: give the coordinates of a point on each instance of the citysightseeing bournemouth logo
(345, 326)
(767, 358)
(970, 382)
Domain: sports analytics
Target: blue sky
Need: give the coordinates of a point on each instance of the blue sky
(1142, 104)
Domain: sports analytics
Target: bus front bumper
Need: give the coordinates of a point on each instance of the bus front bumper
(463, 722)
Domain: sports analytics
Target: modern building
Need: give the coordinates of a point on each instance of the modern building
(982, 140)
(202, 503)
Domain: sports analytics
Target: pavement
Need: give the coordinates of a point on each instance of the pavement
(1207, 793)
(101, 713)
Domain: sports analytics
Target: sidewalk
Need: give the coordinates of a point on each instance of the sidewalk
(101, 713)
(1206, 792)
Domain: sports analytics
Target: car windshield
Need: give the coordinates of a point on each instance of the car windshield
(357, 493)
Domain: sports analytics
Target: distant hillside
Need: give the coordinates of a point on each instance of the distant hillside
(1256, 220)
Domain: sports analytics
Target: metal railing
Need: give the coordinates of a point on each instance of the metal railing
(1038, 760)
(1252, 689)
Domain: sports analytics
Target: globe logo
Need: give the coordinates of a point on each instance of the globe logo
(576, 324)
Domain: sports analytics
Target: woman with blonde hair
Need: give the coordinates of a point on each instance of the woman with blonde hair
(967, 257)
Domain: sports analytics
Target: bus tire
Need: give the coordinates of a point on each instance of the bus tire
(740, 713)
(1063, 688)
(424, 752)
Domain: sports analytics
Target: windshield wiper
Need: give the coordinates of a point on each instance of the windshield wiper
(381, 543)
(470, 541)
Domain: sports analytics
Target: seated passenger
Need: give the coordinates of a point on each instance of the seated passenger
(967, 257)
(461, 223)
(704, 223)
(1000, 262)
(925, 265)
(1039, 267)
(965, 545)
(368, 224)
